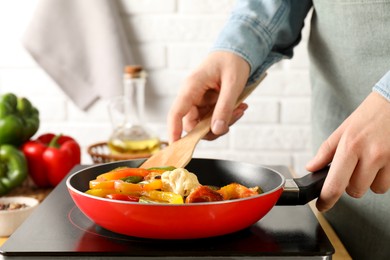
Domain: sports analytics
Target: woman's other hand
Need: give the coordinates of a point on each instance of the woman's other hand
(359, 153)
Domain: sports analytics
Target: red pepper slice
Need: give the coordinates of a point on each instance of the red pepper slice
(119, 196)
(121, 173)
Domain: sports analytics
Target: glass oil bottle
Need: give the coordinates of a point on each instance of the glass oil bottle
(130, 134)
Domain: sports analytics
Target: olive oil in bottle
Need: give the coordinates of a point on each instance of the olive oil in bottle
(138, 144)
(130, 133)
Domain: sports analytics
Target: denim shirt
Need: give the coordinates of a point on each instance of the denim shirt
(263, 32)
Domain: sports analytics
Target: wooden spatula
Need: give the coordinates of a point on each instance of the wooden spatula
(179, 153)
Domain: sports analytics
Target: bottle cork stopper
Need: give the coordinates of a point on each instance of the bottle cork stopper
(133, 69)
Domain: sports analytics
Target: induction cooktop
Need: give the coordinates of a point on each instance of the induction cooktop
(58, 228)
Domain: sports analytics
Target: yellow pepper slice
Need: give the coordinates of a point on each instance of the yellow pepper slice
(100, 192)
(129, 188)
(164, 196)
(97, 184)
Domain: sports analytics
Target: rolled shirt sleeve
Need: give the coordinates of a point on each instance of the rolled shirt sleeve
(383, 86)
(263, 32)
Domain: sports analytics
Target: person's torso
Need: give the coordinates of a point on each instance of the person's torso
(349, 51)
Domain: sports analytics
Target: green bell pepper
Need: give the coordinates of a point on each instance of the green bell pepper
(19, 119)
(13, 168)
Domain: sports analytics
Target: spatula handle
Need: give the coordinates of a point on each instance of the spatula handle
(180, 152)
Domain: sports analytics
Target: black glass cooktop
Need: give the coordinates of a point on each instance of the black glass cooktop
(58, 228)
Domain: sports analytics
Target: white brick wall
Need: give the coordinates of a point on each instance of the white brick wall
(171, 37)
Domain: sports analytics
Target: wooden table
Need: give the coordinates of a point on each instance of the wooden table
(341, 252)
(2, 240)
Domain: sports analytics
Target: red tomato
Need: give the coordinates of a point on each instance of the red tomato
(203, 194)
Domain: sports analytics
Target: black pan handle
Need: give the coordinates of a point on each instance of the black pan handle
(299, 191)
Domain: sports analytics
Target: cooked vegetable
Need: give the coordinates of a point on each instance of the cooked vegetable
(123, 172)
(204, 194)
(119, 196)
(98, 184)
(100, 192)
(179, 181)
(163, 196)
(162, 169)
(132, 179)
(237, 191)
(162, 185)
(129, 188)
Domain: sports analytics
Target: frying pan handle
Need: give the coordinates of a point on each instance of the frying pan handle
(299, 191)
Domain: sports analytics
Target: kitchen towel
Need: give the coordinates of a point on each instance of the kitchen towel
(82, 45)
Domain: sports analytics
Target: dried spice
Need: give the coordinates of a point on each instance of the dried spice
(12, 206)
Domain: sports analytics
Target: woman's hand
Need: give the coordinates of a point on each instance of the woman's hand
(215, 84)
(359, 153)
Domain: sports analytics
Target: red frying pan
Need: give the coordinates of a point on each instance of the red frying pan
(196, 220)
